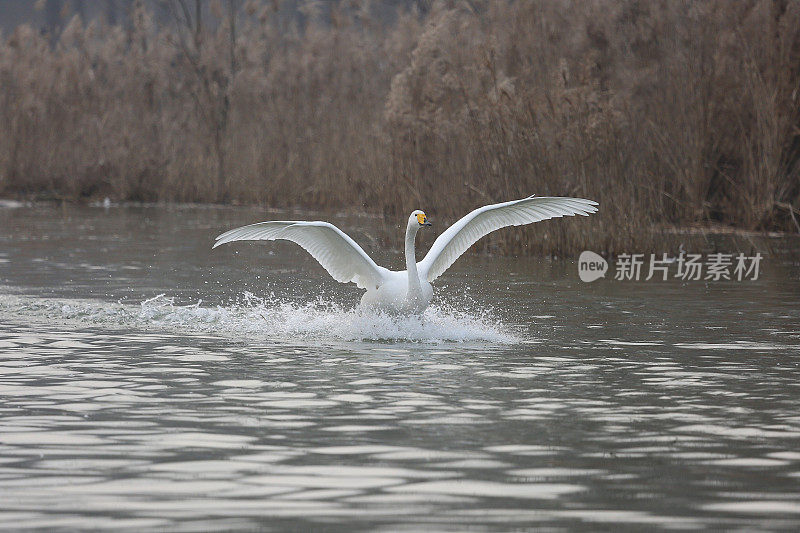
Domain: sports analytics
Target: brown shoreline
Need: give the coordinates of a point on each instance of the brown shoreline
(665, 113)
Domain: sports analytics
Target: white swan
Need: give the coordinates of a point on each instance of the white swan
(409, 291)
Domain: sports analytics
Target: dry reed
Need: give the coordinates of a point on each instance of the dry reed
(667, 113)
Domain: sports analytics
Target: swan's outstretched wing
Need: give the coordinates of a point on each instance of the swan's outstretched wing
(345, 260)
(460, 236)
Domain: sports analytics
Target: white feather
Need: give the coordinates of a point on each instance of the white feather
(344, 260)
(409, 290)
(457, 239)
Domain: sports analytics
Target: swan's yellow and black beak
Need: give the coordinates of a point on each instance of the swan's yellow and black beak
(423, 220)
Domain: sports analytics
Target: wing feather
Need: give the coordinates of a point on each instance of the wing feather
(460, 236)
(344, 260)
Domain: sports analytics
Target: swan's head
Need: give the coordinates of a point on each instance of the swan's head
(419, 218)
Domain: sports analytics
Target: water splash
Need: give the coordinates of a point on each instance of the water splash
(270, 318)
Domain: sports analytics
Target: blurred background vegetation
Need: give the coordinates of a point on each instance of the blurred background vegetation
(669, 113)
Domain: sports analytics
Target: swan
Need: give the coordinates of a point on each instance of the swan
(410, 290)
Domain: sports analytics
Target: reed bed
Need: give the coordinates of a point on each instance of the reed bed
(667, 113)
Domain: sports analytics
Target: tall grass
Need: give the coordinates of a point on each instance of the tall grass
(667, 113)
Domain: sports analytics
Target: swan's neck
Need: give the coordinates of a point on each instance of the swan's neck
(411, 262)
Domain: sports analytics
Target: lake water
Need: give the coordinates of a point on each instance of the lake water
(148, 382)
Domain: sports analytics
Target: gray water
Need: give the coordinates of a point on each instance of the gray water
(147, 382)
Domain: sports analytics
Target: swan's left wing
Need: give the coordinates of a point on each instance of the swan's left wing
(460, 236)
(344, 260)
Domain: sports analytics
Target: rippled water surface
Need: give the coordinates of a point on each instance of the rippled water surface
(147, 382)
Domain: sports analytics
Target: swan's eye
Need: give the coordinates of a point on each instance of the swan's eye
(421, 218)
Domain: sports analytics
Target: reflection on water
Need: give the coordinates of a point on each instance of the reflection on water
(521, 399)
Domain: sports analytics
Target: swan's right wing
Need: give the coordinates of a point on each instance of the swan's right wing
(460, 236)
(344, 260)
